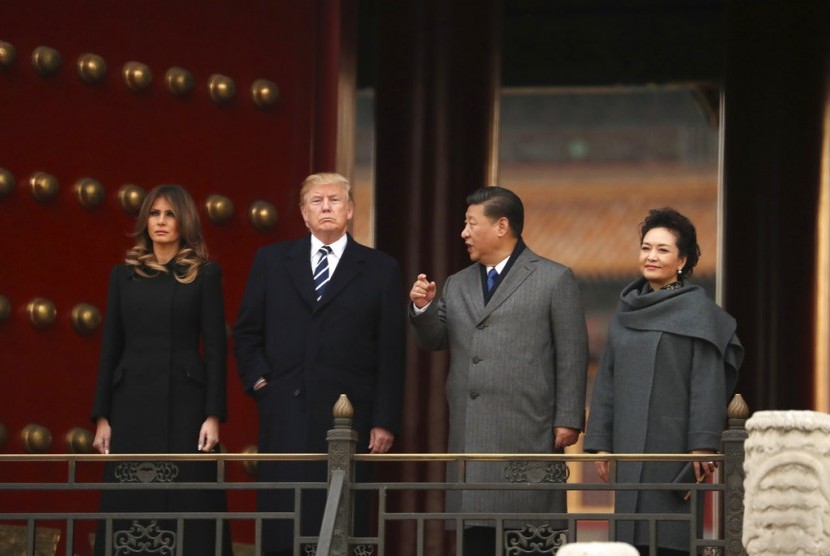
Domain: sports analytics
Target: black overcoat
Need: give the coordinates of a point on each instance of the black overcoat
(351, 342)
(162, 372)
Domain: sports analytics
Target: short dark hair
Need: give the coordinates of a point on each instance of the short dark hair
(499, 202)
(683, 230)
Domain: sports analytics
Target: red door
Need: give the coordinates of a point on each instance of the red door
(63, 129)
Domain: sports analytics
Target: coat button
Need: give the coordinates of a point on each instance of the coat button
(474, 395)
(476, 359)
(297, 392)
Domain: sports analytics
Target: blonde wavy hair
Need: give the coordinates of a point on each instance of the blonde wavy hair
(192, 252)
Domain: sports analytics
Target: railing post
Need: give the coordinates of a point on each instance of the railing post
(732, 441)
(342, 441)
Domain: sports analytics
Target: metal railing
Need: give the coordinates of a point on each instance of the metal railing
(336, 537)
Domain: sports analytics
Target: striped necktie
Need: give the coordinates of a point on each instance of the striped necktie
(321, 272)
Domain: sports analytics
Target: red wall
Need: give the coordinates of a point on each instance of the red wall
(61, 125)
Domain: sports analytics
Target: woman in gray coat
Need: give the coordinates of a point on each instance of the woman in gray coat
(669, 365)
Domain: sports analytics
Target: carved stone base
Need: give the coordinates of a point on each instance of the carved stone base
(596, 548)
(787, 485)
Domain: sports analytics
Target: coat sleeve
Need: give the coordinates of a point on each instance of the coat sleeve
(599, 436)
(570, 337)
(249, 331)
(388, 397)
(112, 346)
(431, 325)
(214, 340)
(707, 392)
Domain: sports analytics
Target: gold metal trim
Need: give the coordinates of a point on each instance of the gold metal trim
(264, 93)
(137, 76)
(37, 439)
(130, 198)
(8, 54)
(79, 441)
(249, 465)
(91, 68)
(7, 183)
(89, 192)
(45, 60)
(263, 215)
(5, 307)
(85, 318)
(219, 208)
(221, 88)
(42, 312)
(179, 81)
(14, 539)
(43, 186)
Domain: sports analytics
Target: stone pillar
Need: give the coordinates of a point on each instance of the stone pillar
(787, 501)
(732, 447)
(342, 441)
(598, 548)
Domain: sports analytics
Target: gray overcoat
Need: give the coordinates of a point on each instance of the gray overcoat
(669, 366)
(517, 370)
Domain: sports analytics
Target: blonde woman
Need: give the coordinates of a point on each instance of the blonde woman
(161, 377)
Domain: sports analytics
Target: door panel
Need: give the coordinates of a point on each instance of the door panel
(59, 250)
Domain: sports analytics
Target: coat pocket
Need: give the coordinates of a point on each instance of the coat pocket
(195, 372)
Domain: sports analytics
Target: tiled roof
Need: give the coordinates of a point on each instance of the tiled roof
(588, 217)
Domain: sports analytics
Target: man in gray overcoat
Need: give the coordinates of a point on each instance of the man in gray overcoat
(515, 328)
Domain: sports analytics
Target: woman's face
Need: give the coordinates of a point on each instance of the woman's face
(162, 224)
(660, 259)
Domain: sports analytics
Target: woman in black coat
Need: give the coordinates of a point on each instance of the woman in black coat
(157, 391)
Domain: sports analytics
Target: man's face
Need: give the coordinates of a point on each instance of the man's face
(480, 235)
(327, 211)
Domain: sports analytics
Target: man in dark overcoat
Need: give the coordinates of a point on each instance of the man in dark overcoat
(321, 316)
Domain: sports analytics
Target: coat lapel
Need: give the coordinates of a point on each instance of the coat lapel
(522, 268)
(299, 268)
(348, 268)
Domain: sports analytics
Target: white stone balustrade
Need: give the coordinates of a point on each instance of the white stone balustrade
(596, 548)
(787, 484)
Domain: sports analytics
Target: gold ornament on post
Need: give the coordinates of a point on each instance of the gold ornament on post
(89, 192)
(44, 186)
(79, 441)
(264, 93)
(45, 60)
(42, 312)
(130, 197)
(91, 68)
(219, 208)
(85, 318)
(8, 54)
(36, 438)
(137, 76)
(179, 81)
(221, 88)
(263, 215)
(250, 465)
(5, 308)
(6, 183)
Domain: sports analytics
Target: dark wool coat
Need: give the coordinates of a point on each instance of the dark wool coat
(351, 342)
(156, 388)
(669, 367)
(517, 369)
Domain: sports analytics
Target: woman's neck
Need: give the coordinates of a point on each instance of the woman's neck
(165, 253)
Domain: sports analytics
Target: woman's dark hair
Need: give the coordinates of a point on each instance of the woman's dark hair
(683, 230)
(499, 202)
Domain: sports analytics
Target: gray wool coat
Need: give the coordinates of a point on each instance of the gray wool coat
(669, 366)
(517, 370)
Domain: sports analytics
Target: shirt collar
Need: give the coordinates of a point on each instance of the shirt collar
(337, 247)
